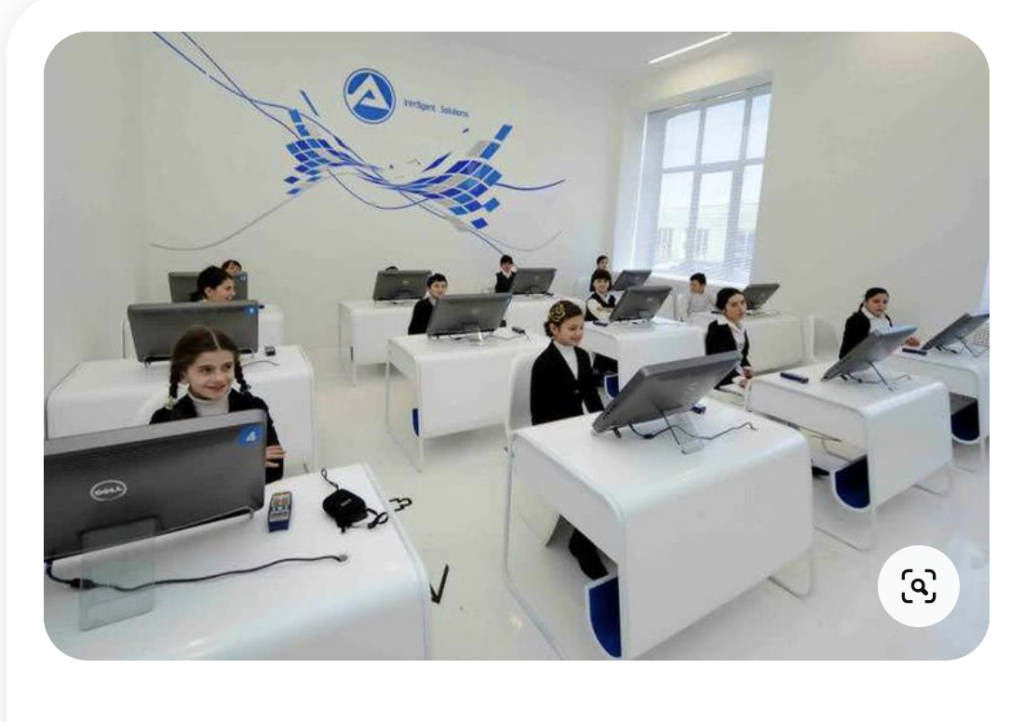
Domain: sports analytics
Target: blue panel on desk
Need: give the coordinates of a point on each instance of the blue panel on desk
(965, 424)
(603, 605)
(416, 421)
(852, 484)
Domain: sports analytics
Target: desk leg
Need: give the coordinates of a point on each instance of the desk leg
(853, 527)
(982, 454)
(929, 486)
(352, 361)
(416, 461)
(797, 577)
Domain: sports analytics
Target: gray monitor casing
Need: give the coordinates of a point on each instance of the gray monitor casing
(877, 346)
(179, 473)
(400, 285)
(757, 294)
(961, 328)
(666, 388)
(628, 279)
(640, 302)
(532, 280)
(183, 285)
(468, 313)
(156, 327)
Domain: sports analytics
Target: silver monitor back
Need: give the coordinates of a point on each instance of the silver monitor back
(183, 285)
(468, 313)
(400, 285)
(179, 474)
(156, 327)
(628, 279)
(532, 280)
(640, 302)
(878, 345)
(958, 330)
(757, 294)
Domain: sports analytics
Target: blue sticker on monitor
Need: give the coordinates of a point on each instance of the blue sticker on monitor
(251, 434)
(251, 310)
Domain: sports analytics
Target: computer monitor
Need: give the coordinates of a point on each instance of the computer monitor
(640, 303)
(468, 313)
(178, 474)
(532, 280)
(183, 285)
(628, 279)
(878, 345)
(156, 327)
(757, 294)
(665, 388)
(400, 285)
(959, 330)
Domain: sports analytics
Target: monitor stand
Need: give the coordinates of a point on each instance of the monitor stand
(881, 377)
(967, 346)
(127, 566)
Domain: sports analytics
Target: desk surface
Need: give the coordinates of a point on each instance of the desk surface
(374, 606)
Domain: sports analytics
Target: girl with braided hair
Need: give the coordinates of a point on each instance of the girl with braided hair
(207, 361)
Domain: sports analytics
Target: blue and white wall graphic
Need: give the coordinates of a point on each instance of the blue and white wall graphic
(460, 188)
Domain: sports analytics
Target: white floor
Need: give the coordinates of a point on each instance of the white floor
(457, 519)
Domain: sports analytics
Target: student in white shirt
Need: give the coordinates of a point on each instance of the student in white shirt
(700, 299)
(870, 316)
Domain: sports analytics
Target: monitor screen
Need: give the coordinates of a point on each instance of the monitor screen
(400, 285)
(958, 330)
(468, 313)
(666, 388)
(532, 280)
(878, 345)
(183, 285)
(178, 474)
(628, 279)
(156, 327)
(640, 302)
(757, 294)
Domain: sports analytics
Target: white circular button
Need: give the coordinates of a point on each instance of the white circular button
(918, 586)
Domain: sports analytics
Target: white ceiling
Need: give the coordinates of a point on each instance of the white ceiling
(615, 57)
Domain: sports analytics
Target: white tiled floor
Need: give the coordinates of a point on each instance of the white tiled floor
(457, 518)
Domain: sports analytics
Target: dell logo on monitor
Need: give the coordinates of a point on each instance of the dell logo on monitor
(108, 490)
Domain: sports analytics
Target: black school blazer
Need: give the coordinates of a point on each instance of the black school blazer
(502, 284)
(555, 394)
(719, 339)
(186, 409)
(857, 328)
(421, 316)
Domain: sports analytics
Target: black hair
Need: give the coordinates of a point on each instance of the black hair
(559, 314)
(599, 259)
(874, 291)
(390, 268)
(434, 278)
(600, 274)
(224, 266)
(505, 259)
(724, 295)
(196, 341)
(699, 278)
(209, 277)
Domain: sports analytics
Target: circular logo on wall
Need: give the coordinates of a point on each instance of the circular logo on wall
(370, 96)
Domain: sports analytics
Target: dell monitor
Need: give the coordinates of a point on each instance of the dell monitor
(468, 313)
(177, 475)
(878, 345)
(400, 285)
(628, 279)
(640, 303)
(757, 294)
(662, 389)
(156, 327)
(532, 280)
(958, 331)
(183, 285)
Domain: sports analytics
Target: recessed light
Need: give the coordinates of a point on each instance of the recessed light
(688, 48)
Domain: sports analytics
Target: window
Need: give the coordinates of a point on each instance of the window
(700, 187)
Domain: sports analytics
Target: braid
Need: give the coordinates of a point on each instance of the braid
(172, 394)
(243, 385)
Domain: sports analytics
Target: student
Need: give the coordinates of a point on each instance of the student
(503, 278)
(232, 267)
(214, 284)
(727, 334)
(207, 361)
(700, 299)
(437, 286)
(562, 386)
(599, 308)
(602, 265)
(871, 315)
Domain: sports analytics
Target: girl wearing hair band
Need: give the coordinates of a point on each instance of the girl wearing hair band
(206, 360)
(870, 316)
(562, 386)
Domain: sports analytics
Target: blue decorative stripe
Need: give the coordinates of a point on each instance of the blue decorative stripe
(479, 223)
(492, 204)
(490, 150)
(503, 133)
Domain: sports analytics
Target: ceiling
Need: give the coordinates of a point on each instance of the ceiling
(615, 57)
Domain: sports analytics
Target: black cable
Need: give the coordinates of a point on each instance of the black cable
(670, 426)
(323, 474)
(80, 583)
(379, 518)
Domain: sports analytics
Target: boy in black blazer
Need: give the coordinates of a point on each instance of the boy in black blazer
(437, 286)
(503, 278)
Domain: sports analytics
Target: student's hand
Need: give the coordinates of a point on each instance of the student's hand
(913, 341)
(274, 453)
(748, 372)
(742, 381)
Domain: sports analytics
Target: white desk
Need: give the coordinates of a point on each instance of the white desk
(365, 327)
(459, 385)
(688, 532)
(102, 395)
(374, 606)
(904, 434)
(637, 345)
(776, 340)
(270, 330)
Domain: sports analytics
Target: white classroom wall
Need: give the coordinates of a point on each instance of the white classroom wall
(876, 170)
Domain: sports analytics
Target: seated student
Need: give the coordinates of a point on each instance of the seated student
(214, 284)
(437, 286)
(700, 299)
(206, 360)
(562, 386)
(871, 315)
(599, 308)
(727, 334)
(232, 267)
(602, 265)
(503, 278)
